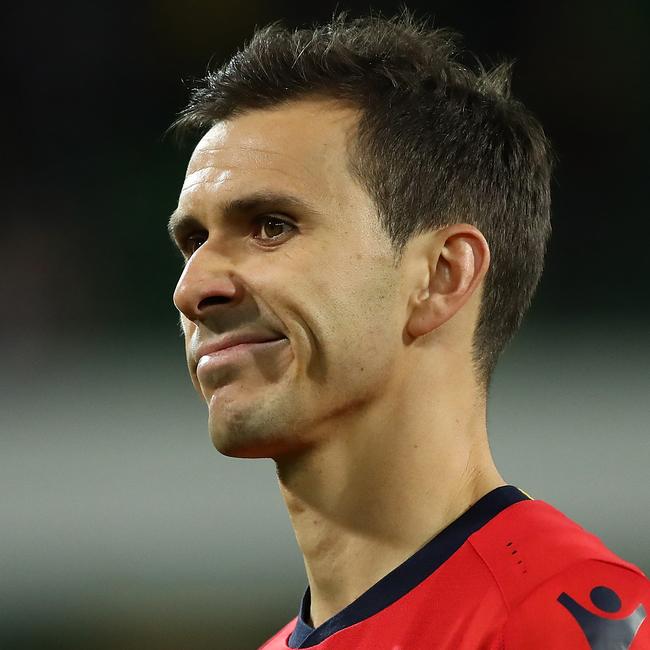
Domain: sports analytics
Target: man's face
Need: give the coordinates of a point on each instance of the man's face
(324, 279)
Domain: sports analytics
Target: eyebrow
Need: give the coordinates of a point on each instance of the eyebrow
(180, 222)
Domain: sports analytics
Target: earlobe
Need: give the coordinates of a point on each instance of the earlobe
(457, 266)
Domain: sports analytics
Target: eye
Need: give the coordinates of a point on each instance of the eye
(275, 231)
(193, 242)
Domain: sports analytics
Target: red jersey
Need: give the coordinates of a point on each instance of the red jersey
(510, 573)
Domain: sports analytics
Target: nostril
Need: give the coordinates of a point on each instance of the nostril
(212, 300)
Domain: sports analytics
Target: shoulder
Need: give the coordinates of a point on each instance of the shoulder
(562, 587)
(530, 542)
(592, 604)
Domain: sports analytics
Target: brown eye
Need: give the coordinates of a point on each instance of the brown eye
(194, 242)
(272, 227)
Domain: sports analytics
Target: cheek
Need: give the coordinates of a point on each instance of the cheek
(366, 326)
(187, 329)
(362, 365)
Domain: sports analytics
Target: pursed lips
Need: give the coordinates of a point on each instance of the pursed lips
(211, 347)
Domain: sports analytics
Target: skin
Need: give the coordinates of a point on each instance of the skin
(370, 408)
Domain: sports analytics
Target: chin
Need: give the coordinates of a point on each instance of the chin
(237, 444)
(231, 433)
(249, 426)
(239, 451)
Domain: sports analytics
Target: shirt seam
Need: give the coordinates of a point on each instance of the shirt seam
(493, 576)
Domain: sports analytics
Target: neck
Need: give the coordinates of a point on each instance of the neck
(379, 487)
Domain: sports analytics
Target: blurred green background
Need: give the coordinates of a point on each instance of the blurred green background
(120, 526)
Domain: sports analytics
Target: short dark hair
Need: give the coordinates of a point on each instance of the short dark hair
(437, 142)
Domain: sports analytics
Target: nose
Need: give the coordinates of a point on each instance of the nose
(204, 283)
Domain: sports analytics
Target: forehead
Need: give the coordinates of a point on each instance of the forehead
(300, 146)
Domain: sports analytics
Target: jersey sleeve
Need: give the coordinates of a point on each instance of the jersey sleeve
(593, 605)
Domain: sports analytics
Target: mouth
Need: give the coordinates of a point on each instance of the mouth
(241, 352)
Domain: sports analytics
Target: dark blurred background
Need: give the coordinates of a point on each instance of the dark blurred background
(120, 526)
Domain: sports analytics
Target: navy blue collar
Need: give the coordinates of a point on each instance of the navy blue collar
(410, 573)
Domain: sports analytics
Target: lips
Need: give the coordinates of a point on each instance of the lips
(231, 340)
(210, 366)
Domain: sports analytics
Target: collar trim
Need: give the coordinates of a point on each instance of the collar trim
(410, 573)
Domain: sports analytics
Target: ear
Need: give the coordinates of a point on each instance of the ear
(458, 257)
